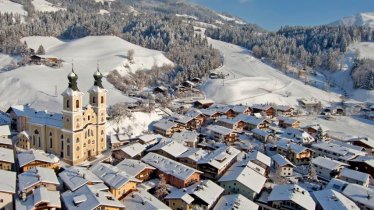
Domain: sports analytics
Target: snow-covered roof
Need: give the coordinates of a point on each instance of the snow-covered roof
(164, 124)
(244, 175)
(6, 155)
(287, 120)
(194, 154)
(133, 167)
(282, 107)
(257, 155)
(71, 92)
(360, 194)
(235, 201)
(366, 141)
(339, 149)
(193, 113)
(355, 175)
(260, 132)
(169, 166)
(239, 108)
(133, 149)
(230, 121)
(253, 166)
(149, 137)
(209, 112)
(281, 160)
(6, 141)
(75, 177)
(97, 89)
(205, 190)
(333, 200)
(327, 163)
(369, 160)
(220, 157)
(29, 156)
(297, 135)
(261, 106)
(4, 130)
(180, 118)
(292, 192)
(111, 175)
(87, 197)
(185, 136)
(7, 181)
(35, 176)
(171, 147)
(250, 119)
(141, 199)
(40, 196)
(286, 144)
(39, 117)
(336, 184)
(205, 101)
(220, 129)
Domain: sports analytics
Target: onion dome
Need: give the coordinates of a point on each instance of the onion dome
(73, 77)
(98, 76)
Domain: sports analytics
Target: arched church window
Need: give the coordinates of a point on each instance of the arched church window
(77, 148)
(94, 99)
(36, 132)
(77, 104)
(102, 132)
(68, 150)
(39, 142)
(67, 140)
(92, 133)
(50, 142)
(102, 99)
(68, 103)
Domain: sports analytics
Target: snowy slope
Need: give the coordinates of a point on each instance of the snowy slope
(36, 84)
(45, 6)
(251, 81)
(362, 19)
(7, 6)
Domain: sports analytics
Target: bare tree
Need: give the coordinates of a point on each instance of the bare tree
(162, 188)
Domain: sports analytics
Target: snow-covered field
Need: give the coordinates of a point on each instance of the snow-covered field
(38, 85)
(45, 6)
(361, 19)
(7, 6)
(251, 81)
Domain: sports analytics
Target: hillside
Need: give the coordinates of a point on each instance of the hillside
(7, 6)
(36, 84)
(362, 19)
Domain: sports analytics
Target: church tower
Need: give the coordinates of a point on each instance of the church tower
(71, 135)
(98, 100)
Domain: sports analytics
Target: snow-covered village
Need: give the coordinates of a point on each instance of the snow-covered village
(174, 105)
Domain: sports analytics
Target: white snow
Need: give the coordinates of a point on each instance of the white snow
(45, 6)
(187, 16)
(102, 1)
(237, 21)
(103, 12)
(7, 6)
(250, 81)
(362, 19)
(36, 84)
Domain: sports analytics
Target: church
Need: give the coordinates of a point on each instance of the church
(76, 134)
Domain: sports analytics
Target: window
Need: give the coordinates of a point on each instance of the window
(39, 142)
(77, 141)
(68, 103)
(68, 140)
(89, 117)
(94, 99)
(77, 104)
(92, 133)
(102, 132)
(77, 148)
(102, 99)
(50, 142)
(68, 150)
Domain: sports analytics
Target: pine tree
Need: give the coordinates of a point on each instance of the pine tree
(41, 50)
(312, 173)
(162, 188)
(319, 134)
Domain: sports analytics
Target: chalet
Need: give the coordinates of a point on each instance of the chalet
(187, 138)
(260, 159)
(149, 140)
(88, 197)
(337, 150)
(253, 122)
(215, 163)
(136, 168)
(362, 196)
(203, 104)
(133, 151)
(309, 104)
(282, 166)
(262, 135)
(334, 110)
(291, 196)
(6, 159)
(297, 135)
(201, 195)
(37, 158)
(234, 124)
(186, 122)
(268, 110)
(242, 180)
(36, 177)
(34, 59)
(76, 177)
(327, 168)
(235, 201)
(168, 148)
(142, 199)
(7, 189)
(182, 176)
(367, 144)
(331, 199)
(160, 90)
(313, 129)
(119, 182)
(224, 110)
(117, 140)
(197, 116)
(167, 128)
(363, 164)
(286, 111)
(355, 177)
(211, 115)
(192, 156)
(41, 198)
(241, 109)
(220, 133)
(286, 122)
(296, 153)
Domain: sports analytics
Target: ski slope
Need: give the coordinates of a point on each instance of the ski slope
(38, 84)
(250, 81)
(7, 6)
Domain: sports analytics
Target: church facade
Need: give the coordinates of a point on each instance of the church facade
(75, 135)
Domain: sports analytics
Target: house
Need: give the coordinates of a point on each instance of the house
(233, 124)
(176, 174)
(119, 182)
(149, 140)
(201, 195)
(89, 198)
(141, 199)
(267, 110)
(117, 140)
(310, 104)
(286, 122)
(4, 131)
(203, 104)
(220, 133)
(333, 110)
(282, 166)
(254, 122)
(313, 129)
(41, 198)
(198, 116)
(283, 110)
(262, 135)
(235, 201)
(211, 115)
(186, 122)
(253, 166)
(337, 150)
(136, 168)
(291, 197)
(37, 158)
(366, 143)
(133, 151)
(192, 156)
(215, 163)
(34, 59)
(6, 159)
(32, 179)
(160, 90)
(76, 177)
(241, 109)
(7, 189)
(6, 142)
(297, 135)
(242, 180)
(363, 164)
(168, 148)
(224, 110)
(167, 128)
(327, 168)
(260, 159)
(187, 138)
(355, 177)
(296, 153)
(362, 196)
(336, 184)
